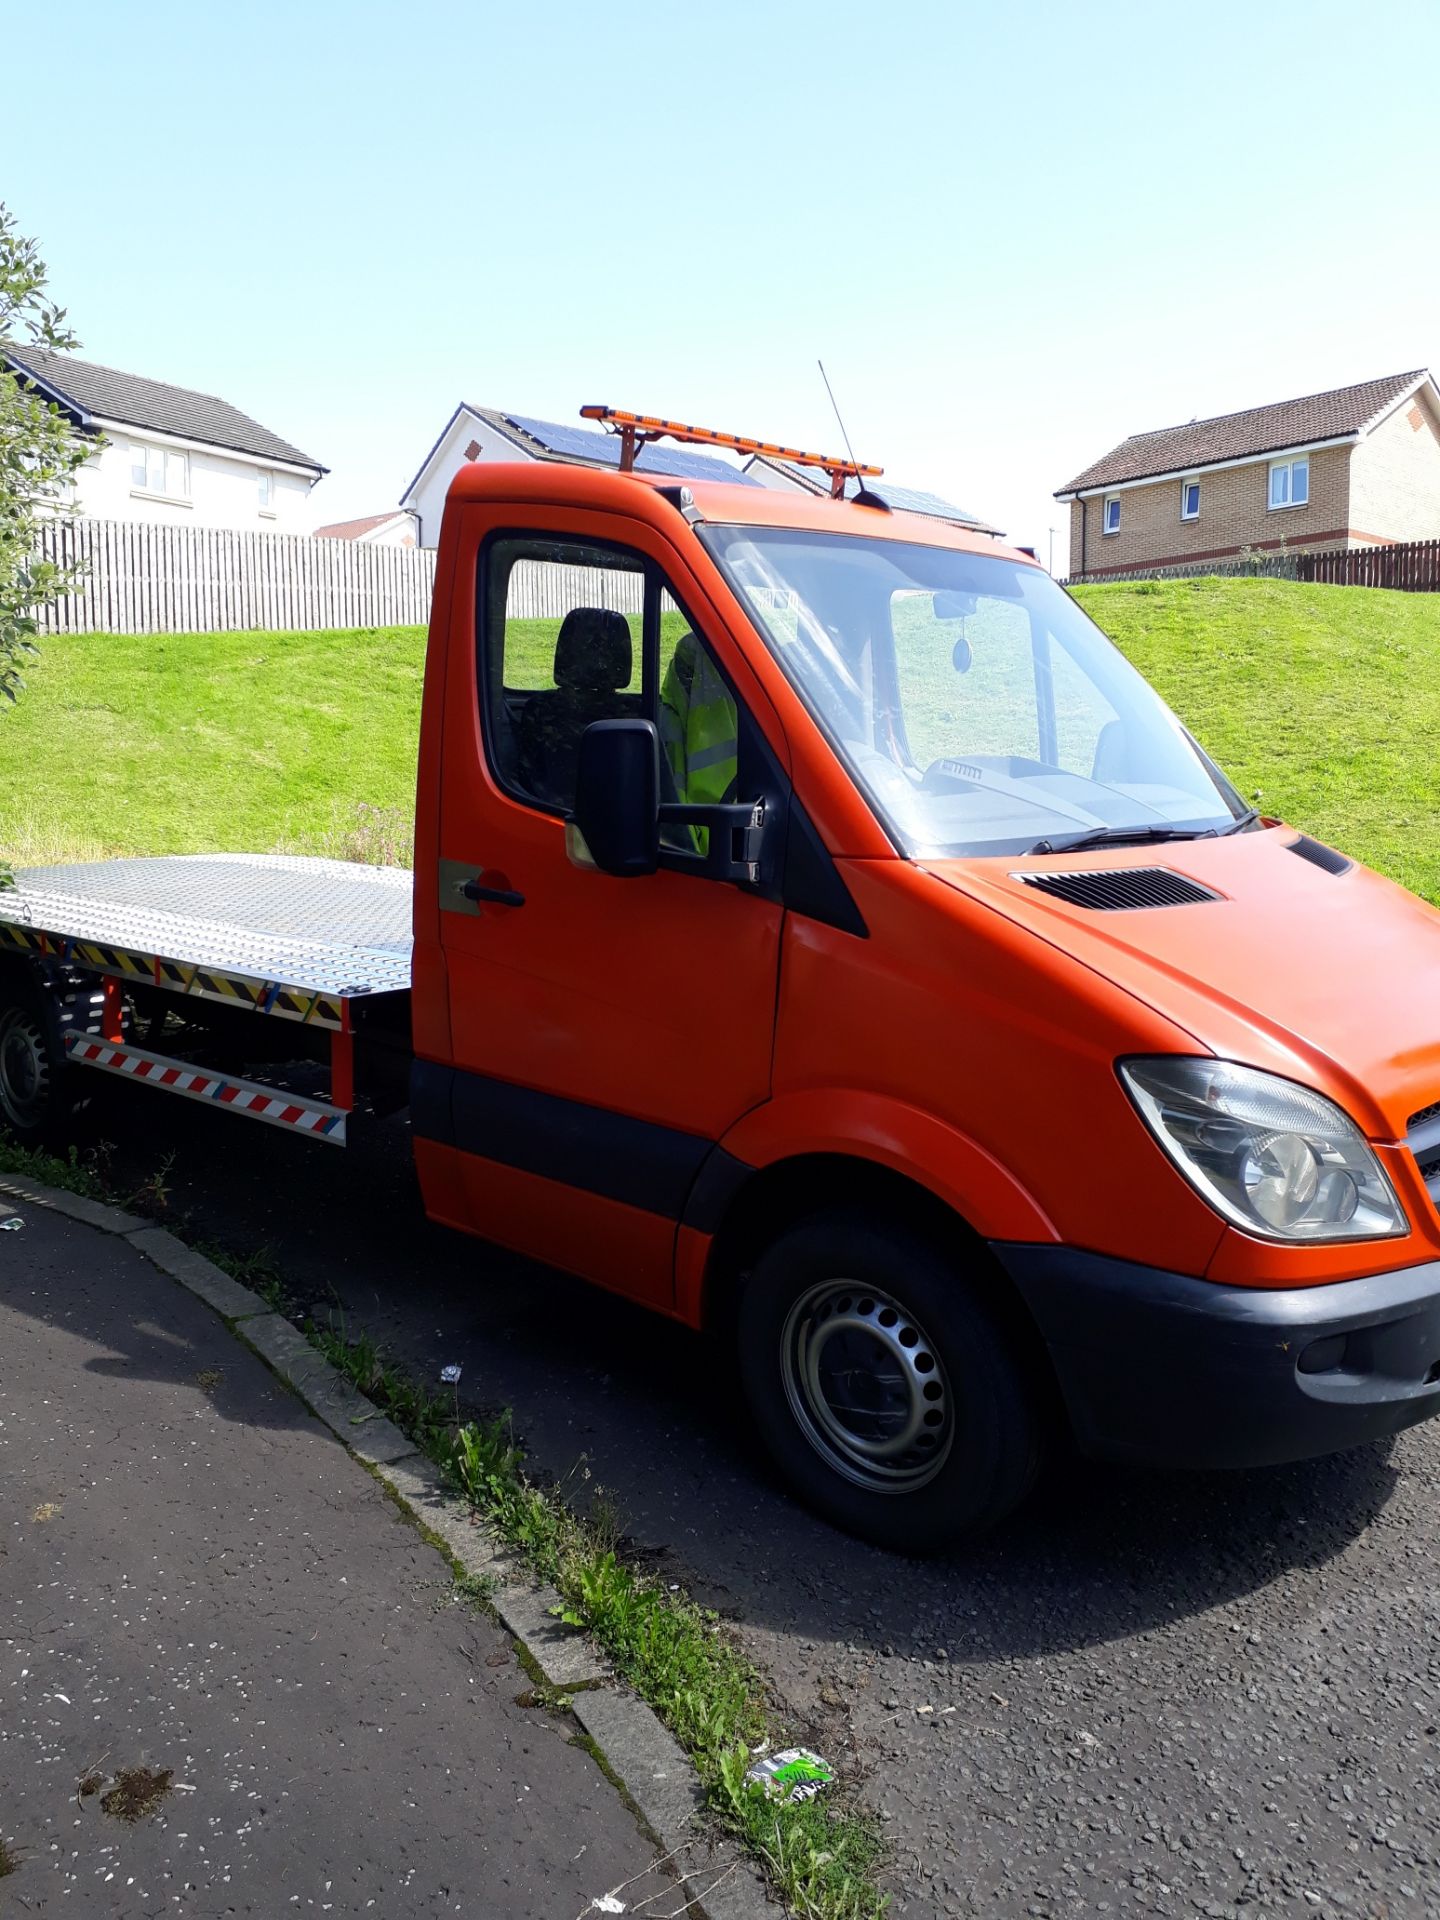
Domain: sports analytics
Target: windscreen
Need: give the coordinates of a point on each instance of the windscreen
(977, 707)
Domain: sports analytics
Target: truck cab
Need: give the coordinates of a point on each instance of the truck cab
(823, 936)
(820, 934)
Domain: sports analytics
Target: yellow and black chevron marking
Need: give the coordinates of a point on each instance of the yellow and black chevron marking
(267, 996)
(80, 953)
(107, 959)
(263, 996)
(225, 986)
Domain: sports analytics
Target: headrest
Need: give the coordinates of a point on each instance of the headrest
(593, 650)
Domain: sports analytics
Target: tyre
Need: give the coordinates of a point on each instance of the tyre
(38, 1098)
(888, 1392)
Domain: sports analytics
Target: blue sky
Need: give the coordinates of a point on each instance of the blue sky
(1014, 233)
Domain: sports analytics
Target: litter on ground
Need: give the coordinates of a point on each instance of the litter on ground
(795, 1774)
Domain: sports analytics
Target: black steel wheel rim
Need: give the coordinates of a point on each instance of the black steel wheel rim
(867, 1387)
(24, 1067)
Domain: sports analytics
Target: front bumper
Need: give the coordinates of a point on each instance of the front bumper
(1172, 1371)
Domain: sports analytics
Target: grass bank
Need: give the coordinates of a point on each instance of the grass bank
(209, 742)
(1323, 700)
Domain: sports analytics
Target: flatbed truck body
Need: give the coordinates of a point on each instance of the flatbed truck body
(819, 934)
(319, 944)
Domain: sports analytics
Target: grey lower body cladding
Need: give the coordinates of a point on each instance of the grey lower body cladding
(681, 1176)
(1168, 1370)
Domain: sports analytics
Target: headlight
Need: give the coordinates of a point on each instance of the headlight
(1277, 1159)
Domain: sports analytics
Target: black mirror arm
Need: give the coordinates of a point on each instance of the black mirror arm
(736, 830)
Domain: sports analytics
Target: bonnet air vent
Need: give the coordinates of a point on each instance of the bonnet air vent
(1319, 855)
(1115, 890)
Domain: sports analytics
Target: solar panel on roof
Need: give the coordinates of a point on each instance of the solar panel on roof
(580, 444)
(915, 500)
(689, 466)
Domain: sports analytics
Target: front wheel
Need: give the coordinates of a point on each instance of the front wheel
(889, 1394)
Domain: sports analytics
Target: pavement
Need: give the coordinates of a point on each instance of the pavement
(201, 1583)
(1150, 1694)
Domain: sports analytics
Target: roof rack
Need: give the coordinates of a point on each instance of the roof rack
(636, 429)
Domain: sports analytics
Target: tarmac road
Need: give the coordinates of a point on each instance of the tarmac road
(1151, 1694)
(234, 1680)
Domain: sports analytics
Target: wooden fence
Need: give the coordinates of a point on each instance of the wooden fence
(164, 579)
(1411, 566)
(545, 591)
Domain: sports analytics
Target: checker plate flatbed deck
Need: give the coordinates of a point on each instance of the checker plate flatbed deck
(291, 937)
(320, 942)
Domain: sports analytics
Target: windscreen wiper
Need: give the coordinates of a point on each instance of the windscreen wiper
(1124, 836)
(1246, 819)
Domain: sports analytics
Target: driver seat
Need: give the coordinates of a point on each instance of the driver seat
(594, 658)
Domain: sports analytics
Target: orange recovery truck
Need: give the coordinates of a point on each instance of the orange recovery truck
(821, 934)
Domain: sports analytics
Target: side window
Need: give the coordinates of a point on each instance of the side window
(572, 634)
(561, 647)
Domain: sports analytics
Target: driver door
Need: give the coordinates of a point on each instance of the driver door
(605, 1033)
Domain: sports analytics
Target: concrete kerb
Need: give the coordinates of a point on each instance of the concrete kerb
(91, 1212)
(661, 1781)
(213, 1285)
(647, 1761)
(528, 1608)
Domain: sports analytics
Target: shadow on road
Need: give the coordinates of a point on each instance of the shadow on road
(1099, 1554)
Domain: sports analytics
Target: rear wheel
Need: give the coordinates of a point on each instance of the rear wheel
(889, 1393)
(38, 1100)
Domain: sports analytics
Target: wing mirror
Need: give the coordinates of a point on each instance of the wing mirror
(617, 798)
(615, 822)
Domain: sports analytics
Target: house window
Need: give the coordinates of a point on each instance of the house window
(1290, 482)
(1111, 522)
(266, 485)
(162, 470)
(1189, 499)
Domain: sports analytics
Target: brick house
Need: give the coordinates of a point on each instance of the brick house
(1356, 467)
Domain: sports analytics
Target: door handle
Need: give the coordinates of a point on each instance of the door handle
(497, 896)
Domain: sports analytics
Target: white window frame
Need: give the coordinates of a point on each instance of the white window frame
(1287, 467)
(265, 493)
(1185, 486)
(1111, 500)
(165, 465)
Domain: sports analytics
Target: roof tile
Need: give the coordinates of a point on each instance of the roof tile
(103, 393)
(1258, 430)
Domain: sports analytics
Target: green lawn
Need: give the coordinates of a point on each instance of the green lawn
(1321, 703)
(1323, 700)
(181, 743)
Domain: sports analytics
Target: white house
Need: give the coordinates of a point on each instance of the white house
(171, 455)
(374, 530)
(483, 434)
